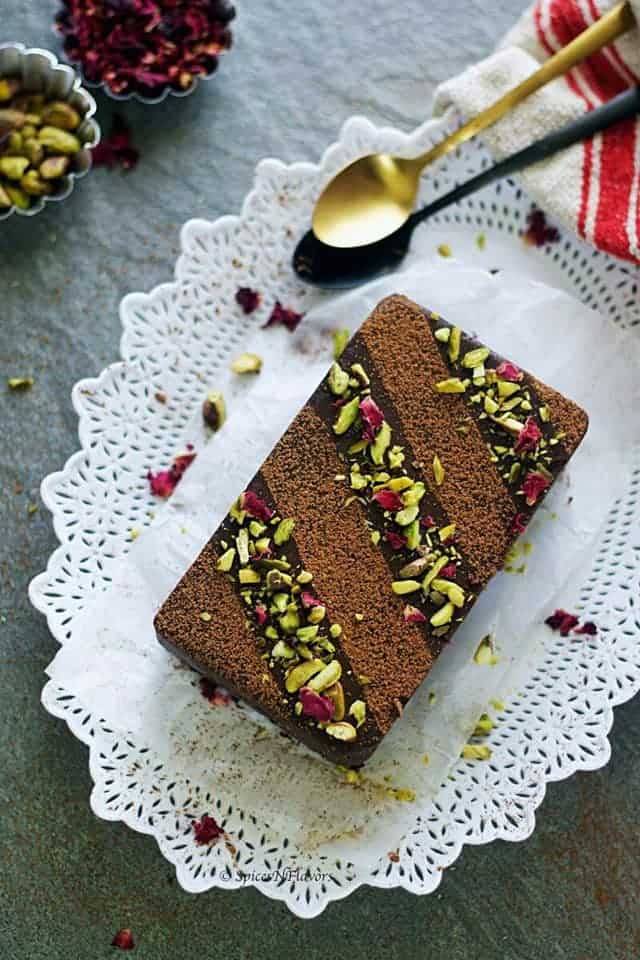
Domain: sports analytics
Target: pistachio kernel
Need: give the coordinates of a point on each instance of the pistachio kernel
(326, 677)
(59, 141)
(242, 545)
(375, 537)
(484, 655)
(414, 494)
(473, 752)
(442, 334)
(360, 374)
(473, 358)
(214, 411)
(225, 562)
(276, 580)
(438, 471)
(282, 651)
(381, 443)
(415, 568)
(336, 695)
(358, 710)
(337, 380)
(506, 388)
(316, 614)
(484, 726)
(307, 634)
(413, 534)
(543, 413)
(451, 385)
(299, 675)
(247, 575)
(443, 615)
(283, 531)
(433, 572)
(444, 250)
(304, 577)
(395, 457)
(60, 114)
(205, 616)
(444, 533)
(453, 348)
(340, 340)
(246, 363)
(406, 516)
(347, 416)
(401, 587)
(335, 631)
(341, 731)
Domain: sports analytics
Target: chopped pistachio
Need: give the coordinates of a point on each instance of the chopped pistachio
(316, 614)
(341, 731)
(307, 634)
(20, 383)
(358, 447)
(225, 562)
(497, 705)
(543, 413)
(282, 651)
(444, 533)
(271, 633)
(443, 615)
(434, 571)
(413, 534)
(425, 759)
(205, 616)
(262, 544)
(299, 675)
(248, 575)
(432, 697)
(507, 389)
(336, 693)
(398, 484)
(276, 580)
(335, 631)
(340, 340)
(473, 358)
(381, 443)
(256, 528)
(473, 752)
(236, 513)
(359, 617)
(375, 537)
(214, 411)
(400, 587)
(514, 472)
(358, 710)
(247, 363)
(338, 380)
(414, 494)
(407, 515)
(404, 795)
(242, 544)
(290, 620)
(481, 241)
(360, 374)
(450, 590)
(283, 531)
(442, 334)
(490, 405)
(484, 655)
(347, 416)
(451, 385)
(304, 577)
(454, 344)
(326, 677)
(396, 457)
(415, 568)
(438, 471)
(484, 725)
(358, 480)
(444, 250)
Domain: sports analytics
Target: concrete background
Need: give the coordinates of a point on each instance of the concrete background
(69, 881)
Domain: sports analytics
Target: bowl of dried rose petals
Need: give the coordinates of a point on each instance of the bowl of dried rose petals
(47, 129)
(145, 49)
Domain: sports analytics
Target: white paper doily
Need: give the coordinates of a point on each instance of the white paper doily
(183, 333)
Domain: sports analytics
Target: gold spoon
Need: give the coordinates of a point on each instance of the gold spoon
(375, 195)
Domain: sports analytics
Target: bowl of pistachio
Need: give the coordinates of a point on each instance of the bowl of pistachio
(47, 129)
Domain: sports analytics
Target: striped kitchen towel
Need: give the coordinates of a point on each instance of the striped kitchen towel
(591, 187)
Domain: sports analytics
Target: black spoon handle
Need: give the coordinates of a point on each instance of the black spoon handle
(620, 108)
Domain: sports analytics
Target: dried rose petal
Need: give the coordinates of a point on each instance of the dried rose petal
(509, 371)
(562, 621)
(308, 600)
(206, 830)
(164, 482)
(372, 418)
(413, 615)
(519, 523)
(395, 540)
(533, 487)
(217, 696)
(116, 150)
(315, 705)
(261, 614)
(123, 940)
(145, 46)
(588, 628)
(284, 316)
(428, 522)
(248, 299)
(255, 506)
(388, 500)
(448, 572)
(539, 232)
(527, 439)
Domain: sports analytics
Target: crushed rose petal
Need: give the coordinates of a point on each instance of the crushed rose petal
(248, 299)
(509, 371)
(116, 150)
(315, 705)
(427, 522)
(413, 615)
(308, 600)
(588, 628)
(395, 540)
(217, 696)
(533, 487)
(284, 316)
(527, 439)
(539, 232)
(519, 523)
(255, 506)
(206, 830)
(562, 621)
(123, 940)
(372, 418)
(145, 46)
(388, 500)
(448, 572)
(261, 614)
(164, 482)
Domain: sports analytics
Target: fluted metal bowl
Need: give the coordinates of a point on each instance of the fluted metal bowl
(41, 72)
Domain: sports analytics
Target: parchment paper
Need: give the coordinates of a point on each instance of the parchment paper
(114, 665)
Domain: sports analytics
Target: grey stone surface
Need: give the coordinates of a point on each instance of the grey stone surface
(69, 881)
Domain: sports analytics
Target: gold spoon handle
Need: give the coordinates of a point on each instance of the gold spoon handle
(604, 31)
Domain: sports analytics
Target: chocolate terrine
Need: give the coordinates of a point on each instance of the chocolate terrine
(360, 546)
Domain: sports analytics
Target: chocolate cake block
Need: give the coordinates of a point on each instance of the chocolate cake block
(325, 596)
